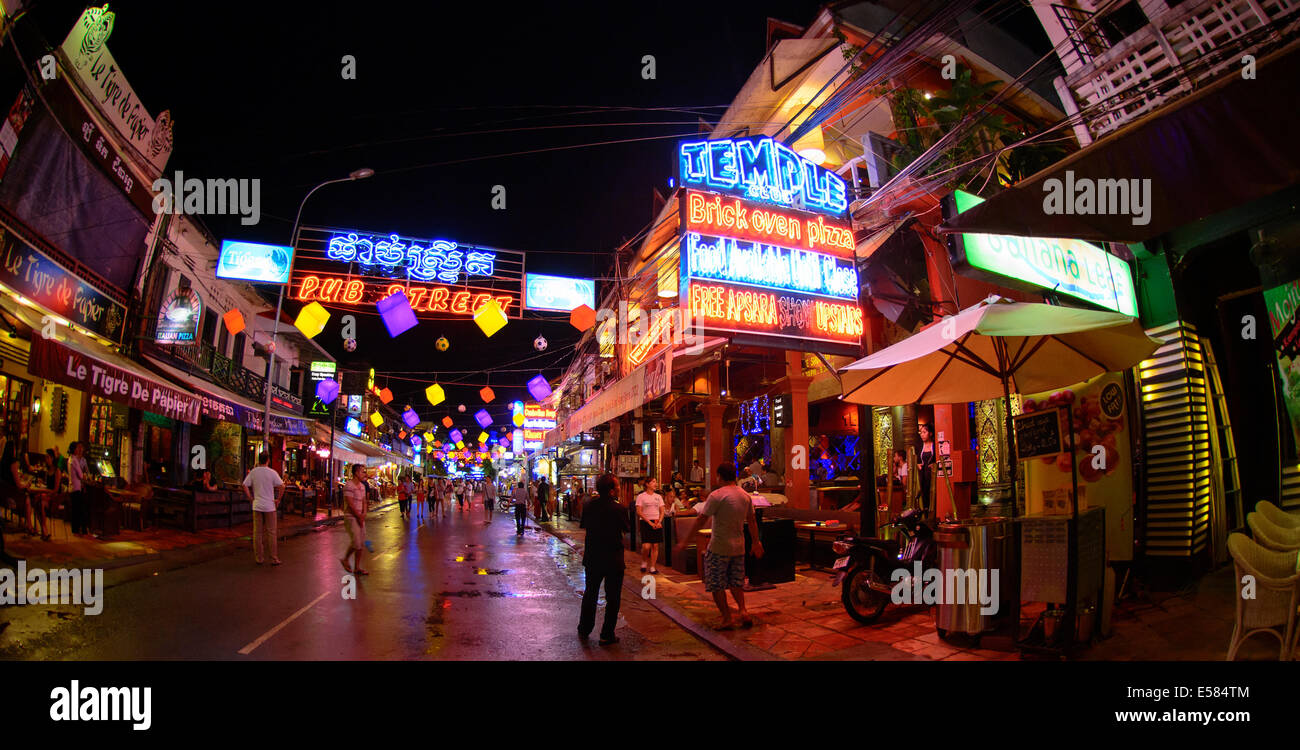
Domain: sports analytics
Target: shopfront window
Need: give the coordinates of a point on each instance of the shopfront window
(15, 409)
(102, 443)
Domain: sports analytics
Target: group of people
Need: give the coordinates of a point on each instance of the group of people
(23, 493)
(605, 521)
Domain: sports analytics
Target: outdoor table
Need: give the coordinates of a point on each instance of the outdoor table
(813, 530)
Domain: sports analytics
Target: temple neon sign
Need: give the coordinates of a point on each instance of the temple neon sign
(710, 214)
(772, 266)
(764, 170)
(439, 260)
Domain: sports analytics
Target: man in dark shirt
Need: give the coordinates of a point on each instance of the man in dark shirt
(543, 500)
(602, 555)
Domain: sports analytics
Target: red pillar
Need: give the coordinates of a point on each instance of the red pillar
(664, 451)
(951, 424)
(797, 455)
(716, 444)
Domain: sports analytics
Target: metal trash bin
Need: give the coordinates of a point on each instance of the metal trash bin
(972, 545)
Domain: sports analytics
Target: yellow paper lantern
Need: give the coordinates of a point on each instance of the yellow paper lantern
(312, 319)
(460, 444)
(376, 419)
(482, 437)
(519, 419)
(435, 394)
(490, 318)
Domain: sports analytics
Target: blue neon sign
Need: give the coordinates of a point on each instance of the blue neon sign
(761, 169)
(352, 426)
(253, 261)
(439, 260)
(772, 266)
(557, 293)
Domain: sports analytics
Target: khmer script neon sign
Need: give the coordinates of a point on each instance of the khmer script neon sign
(761, 169)
(439, 260)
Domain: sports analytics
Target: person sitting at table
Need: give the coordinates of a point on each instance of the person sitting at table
(17, 486)
(678, 505)
(205, 483)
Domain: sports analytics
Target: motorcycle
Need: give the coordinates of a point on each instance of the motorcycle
(865, 570)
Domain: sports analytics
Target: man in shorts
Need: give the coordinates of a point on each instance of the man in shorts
(724, 561)
(354, 505)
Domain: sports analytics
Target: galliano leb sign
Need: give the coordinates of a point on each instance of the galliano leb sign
(86, 51)
(1071, 267)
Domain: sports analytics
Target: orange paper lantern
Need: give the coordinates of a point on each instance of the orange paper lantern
(446, 422)
(385, 395)
(234, 321)
(487, 394)
(582, 317)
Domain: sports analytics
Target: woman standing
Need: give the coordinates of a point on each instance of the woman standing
(650, 524)
(926, 465)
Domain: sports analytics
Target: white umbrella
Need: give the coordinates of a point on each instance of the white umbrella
(996, 347)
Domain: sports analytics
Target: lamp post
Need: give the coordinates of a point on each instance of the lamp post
(359, 174)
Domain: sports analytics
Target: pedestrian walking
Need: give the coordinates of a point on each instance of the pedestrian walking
(724, 561)
(354, 506)
(264, 487)
(417, 500)
(431, 495)
(78, 508)
(489, 498)
(605, 522)
(404, 488)
(520, 497)
(650, 524)
(459, 489)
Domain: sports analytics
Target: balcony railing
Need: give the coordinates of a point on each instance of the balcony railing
(203, 360)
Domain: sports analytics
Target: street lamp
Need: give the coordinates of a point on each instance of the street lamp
(359, 174)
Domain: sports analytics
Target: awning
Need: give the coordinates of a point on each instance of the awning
(1231, 143)
(88, 367)
(219, 403)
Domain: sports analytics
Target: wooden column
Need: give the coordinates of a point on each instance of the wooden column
(796, 437)
(664, 453)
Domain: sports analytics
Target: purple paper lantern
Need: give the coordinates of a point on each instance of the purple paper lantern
(397, 314)
(484, 419)
(539, 387)
(410, 418)
(456, 436)
(327, 391)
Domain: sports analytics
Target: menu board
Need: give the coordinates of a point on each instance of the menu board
(1038, 434)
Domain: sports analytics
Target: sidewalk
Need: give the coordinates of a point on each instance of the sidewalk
(804, 619)
(130, 547)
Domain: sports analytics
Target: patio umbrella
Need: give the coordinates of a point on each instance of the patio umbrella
(996, 347)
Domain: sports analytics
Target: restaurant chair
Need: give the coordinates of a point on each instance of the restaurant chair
(1278, 516)
(1276, 597)
(1271, 535)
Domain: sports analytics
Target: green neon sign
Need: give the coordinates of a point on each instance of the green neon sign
(1072, 267)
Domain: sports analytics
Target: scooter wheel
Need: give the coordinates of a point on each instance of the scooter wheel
(862, 602)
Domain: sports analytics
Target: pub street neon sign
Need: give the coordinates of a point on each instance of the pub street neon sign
(439, 260)
(761, 169)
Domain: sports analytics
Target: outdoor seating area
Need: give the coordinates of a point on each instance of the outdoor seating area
(1270, 565)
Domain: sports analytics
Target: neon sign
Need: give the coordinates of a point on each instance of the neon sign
(538, 418)
(749, 310)
(761, 169)
(557, 293)
(440, 260)
(710, 214)
(341, 290)
(744, 262)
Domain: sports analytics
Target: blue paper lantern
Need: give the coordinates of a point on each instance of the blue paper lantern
(410, 418)
(483, 418)
(397, 314)
(539, 387)
(327, 391)
(456, 436)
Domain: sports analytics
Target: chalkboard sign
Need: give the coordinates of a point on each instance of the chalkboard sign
(1038, 434)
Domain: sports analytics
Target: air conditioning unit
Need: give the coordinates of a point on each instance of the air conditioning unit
(879, 154)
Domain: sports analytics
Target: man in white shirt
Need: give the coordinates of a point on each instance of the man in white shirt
(489, 498)
(697, 473)
(650, 524)
(264, 486)
(77, 489)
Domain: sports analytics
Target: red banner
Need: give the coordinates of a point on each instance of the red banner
(54, 361)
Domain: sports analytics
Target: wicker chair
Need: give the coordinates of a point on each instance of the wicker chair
(1276, 594)
(1278, 516)
(1271, 535)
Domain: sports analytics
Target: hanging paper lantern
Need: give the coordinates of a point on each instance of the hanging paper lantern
(312, 319)
(401, 435)
(428, 437)
(446, 421)
(490, 317)
(410, 418)
(461, 408)
(483, 418)
(456, 436)
(582, 317)
(539, 343)
(234, 321)
(487, 394)
(442, 343)
(539, 387)
(385, 395)
(435, 394)
(396, 311)
(376, 419)
(327, 391)
(482, 437)
(460, 445)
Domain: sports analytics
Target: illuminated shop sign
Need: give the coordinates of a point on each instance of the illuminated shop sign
(742, 309)
(320, 370)
(178, 319)
(772, 266)
(707, 213)
(538, 417)
(761, 169)
(253, 261)
(557, 293)
(439, 260)
(1072, 267)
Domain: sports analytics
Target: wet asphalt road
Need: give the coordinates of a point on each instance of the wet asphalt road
(452, 588)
